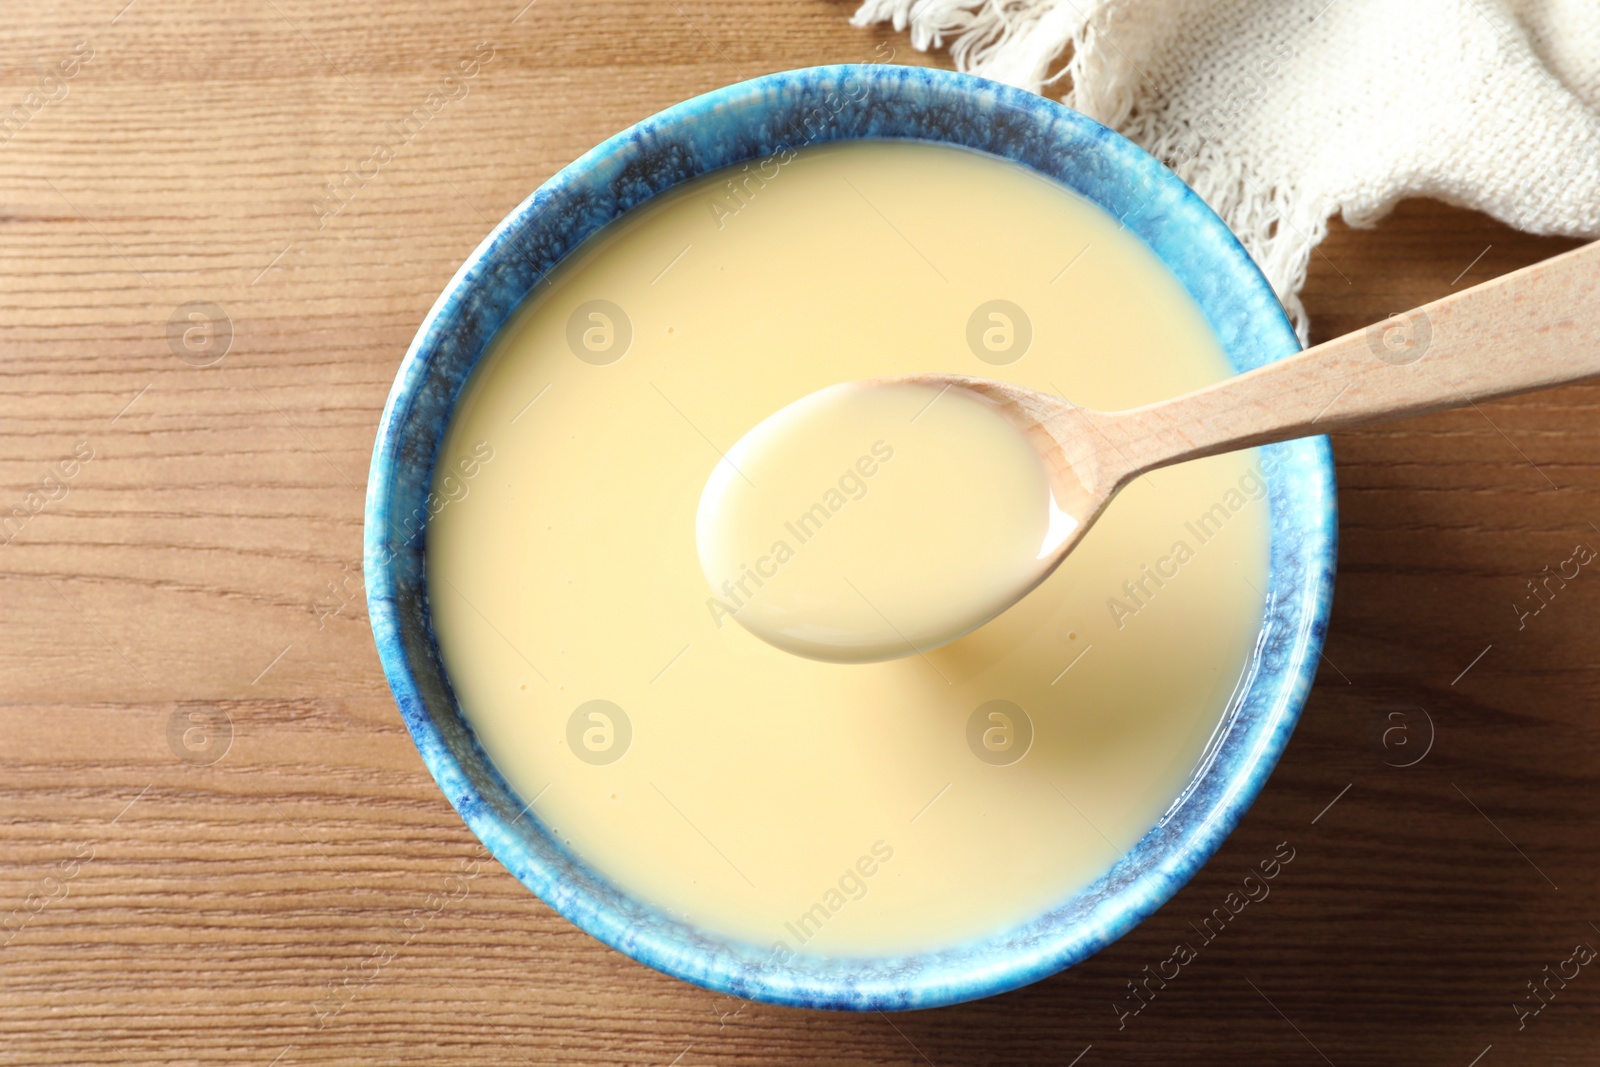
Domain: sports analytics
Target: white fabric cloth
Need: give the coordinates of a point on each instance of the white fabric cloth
(1284, 113)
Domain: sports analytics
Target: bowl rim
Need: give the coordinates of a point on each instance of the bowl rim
(1107, 908)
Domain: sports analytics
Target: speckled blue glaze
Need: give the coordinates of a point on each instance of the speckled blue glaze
(749, 121)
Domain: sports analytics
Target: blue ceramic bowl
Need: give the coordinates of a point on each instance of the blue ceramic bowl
(750, 121)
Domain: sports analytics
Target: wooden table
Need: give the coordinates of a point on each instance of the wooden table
(211, 811)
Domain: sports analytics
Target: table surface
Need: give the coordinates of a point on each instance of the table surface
(201, 572)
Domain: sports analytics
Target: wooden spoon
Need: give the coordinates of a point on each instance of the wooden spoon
(1536, 328)
(1532, 329)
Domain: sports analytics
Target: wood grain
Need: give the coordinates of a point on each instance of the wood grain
(201, 569)
(1535, 328)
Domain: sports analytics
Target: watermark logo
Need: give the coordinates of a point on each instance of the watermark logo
(1401, 340)
(52, 88)
(999, 733)
(599, 732)
(599, 332)
(1405, 734)
(851, 485)
(999, 332)
(1543, 587)
(49, 889)
(738, 191)
(53, 487)
(355, 978)
(199, 333)
(200, 736)
(852, 884)
(1253, 888)
(453, 87)
(1139, 591)
(1541, 993)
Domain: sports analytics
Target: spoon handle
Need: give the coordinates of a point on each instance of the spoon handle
(1535, 328)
